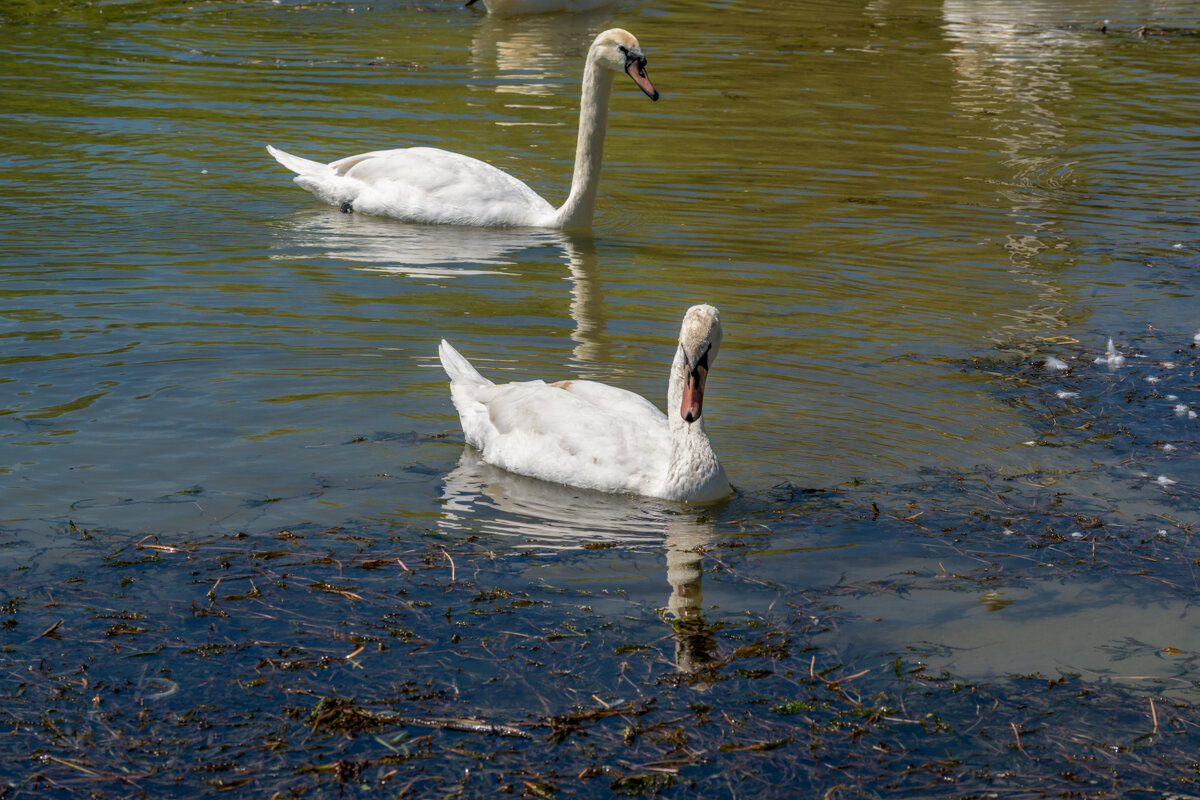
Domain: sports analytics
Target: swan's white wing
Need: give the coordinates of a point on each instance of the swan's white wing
(619, 402)
(563, 435)
(424, 184)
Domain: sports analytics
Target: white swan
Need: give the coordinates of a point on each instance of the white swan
(596, 436)
(513, 7)
(424, 184)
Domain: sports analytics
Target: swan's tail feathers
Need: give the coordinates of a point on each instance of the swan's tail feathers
(300, 166)
(457, 366)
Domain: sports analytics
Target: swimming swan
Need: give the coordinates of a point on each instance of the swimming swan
(425, 184)
(597, 436)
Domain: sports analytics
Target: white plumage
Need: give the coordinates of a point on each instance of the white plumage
(429, 185)
(1111, 357)
(596, 436)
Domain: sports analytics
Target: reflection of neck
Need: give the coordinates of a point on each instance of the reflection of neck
(694, 644)
(577, 211)
(683, 573)
(587, 305)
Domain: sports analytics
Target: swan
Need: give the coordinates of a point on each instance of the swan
(425, 184)
(596, 436)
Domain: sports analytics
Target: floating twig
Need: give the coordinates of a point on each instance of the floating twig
(1017, 733)
(160, 548)
(71, 764)
(468, 726)
(50, 632)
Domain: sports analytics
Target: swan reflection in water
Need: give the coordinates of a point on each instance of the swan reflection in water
(551, 517)
(537, 56)
(378, 244)
(1015, 68)
(439, 252)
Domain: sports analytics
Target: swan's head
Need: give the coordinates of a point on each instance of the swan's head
(619, 51)
(699, 341)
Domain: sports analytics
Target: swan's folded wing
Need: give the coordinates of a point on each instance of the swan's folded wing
(621, 402)
(420, 182)
(566, 436)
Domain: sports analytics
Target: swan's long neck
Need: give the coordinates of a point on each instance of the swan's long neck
(693, 471)
(577, 211)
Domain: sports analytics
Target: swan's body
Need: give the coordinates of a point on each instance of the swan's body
(596, 436)
(513, 7)
(425, 184)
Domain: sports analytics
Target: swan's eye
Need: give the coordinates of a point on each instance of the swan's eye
(702, 361)
(631, 57)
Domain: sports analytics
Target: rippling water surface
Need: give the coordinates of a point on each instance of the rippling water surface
(875, 194)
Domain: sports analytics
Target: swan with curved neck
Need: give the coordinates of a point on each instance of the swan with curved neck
(596, 436)
(425, 184)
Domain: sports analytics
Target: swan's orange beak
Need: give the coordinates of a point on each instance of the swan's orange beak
(637, 71)
(693, 394)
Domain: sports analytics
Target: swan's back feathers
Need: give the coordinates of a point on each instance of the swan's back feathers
(422, 184)
(544, 431)
(620, 402)
(425, 184)
(548, 430)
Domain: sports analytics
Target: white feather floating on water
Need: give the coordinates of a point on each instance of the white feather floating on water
(1163, 480)
(1169, 448)
(1056, 364)
(1065, 395)
(1111, 357)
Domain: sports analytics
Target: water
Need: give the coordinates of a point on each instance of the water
(874, 195)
